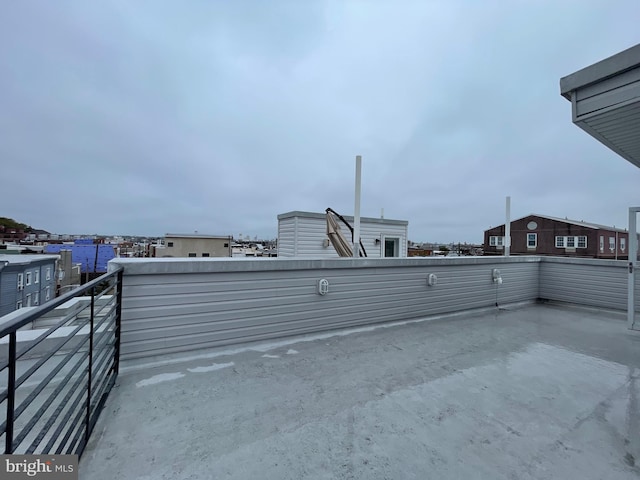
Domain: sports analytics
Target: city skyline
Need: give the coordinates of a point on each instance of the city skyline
(144, 119)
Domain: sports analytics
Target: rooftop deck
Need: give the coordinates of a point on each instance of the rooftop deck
(534, 392)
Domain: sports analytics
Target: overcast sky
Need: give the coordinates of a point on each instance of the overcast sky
(147, 117)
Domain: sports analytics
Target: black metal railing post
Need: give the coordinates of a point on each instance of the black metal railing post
(116, 359)
(58, 410)
(11, 394)
(91, 322)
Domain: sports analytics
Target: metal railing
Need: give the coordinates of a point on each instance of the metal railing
(54, 381)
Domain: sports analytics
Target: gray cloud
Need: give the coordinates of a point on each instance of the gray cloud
(150, 117)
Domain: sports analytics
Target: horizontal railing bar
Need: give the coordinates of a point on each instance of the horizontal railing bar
(65, 420)
(54, 415)
(25, 376)
(28, 317)
(110, 303)
(76, 424)
(100, 335)
(103, 367)
(45, 334)
(44, 383)
(48, 332)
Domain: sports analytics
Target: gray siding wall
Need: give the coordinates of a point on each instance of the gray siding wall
(286, 237)
(590, 282)
(304, 237)
(172, 306)
(9, 293)
(610, 92)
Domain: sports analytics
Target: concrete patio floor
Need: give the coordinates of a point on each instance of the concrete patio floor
(535, 392)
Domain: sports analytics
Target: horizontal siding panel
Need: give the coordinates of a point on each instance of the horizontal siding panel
(176, 312)
(591, 285)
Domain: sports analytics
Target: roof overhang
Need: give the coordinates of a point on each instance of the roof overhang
(605, 100)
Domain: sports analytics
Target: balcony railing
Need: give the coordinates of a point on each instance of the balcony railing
(54, 381)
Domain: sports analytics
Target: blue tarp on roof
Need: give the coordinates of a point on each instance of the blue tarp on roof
(85, 254)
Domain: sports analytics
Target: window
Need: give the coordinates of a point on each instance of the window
(169, 244)
(18, 304)
(559, 242)
(612, 243)
(391, 247)
(205, 254)
(20, 281)
(28, 298)
(532, 240)
(28, 278)
(226, 245)
(36, 277)
(47, 275)
(496, 241)
(192, 254)
(571, 242)
(36, 298)
(582, 241)
(602, 243)
(47, 293)
(623, 244)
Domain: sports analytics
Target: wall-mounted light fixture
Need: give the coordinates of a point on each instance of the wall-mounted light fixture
(496, 276)
(376, 241)
(323, 286)
(432, 279)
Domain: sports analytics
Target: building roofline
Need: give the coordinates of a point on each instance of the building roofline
(594, 226)
(298, 213)
(18, 259)
(613, 65)
(197, 235)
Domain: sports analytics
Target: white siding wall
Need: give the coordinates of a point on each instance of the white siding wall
(172, 305)
(307, 240)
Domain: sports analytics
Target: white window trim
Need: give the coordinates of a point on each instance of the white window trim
(36, 298)
(18, 304)
(535, 240)
(48, 274)
(492, 241)
(47, 293)
(28, 299)
(623, 244)
(36, 277)
(574, 240)
(560, 241)
(612, 244)
(396, 246)
(20, 281)
(601, 243)
(578, 242)
(28, 276)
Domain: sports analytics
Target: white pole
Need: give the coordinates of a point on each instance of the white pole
(633, 255)
(356, 214)
(507, 229)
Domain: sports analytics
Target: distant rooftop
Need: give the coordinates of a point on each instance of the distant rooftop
(349, 218)
(575, 222)
(25, 259)
(196, 235)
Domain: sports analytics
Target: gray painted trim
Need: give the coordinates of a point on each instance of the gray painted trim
(615, 64)
(349, 218)
(155, 266)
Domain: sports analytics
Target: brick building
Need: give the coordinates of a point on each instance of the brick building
(545, 235)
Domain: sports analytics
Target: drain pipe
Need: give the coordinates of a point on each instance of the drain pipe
(507, 229)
